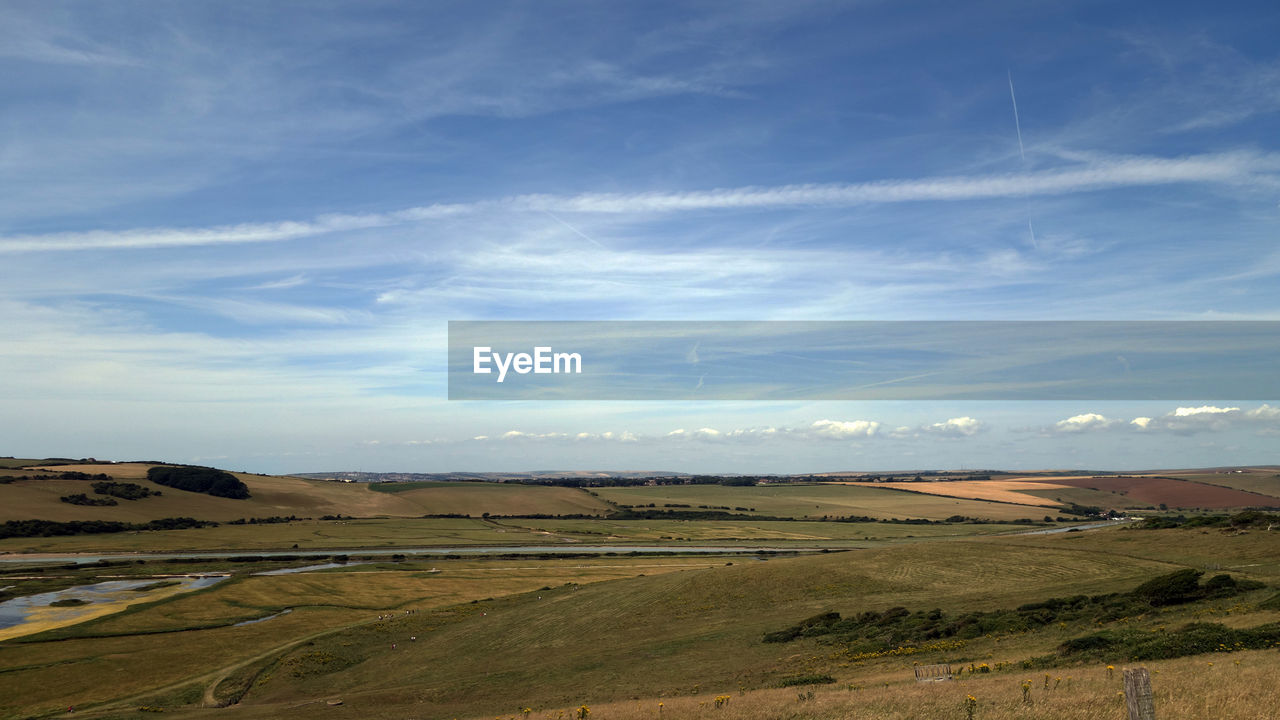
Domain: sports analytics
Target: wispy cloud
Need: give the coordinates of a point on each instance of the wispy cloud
(1228, 168)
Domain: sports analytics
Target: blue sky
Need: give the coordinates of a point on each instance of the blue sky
(233, 233)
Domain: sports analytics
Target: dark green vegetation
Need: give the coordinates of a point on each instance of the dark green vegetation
(49, 528)
(82, 499)
(1249, 519)
(1133, 644)
(209, 481)
(124, 490)
(873, 631)
(806, 680)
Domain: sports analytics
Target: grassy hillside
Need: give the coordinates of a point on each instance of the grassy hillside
(699, 631)
(153, 644)
(278, 495)
(674, 630)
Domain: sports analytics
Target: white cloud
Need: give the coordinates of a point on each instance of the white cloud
(955, 427)
(1211, 418)
(844, 429)
(1263, 413)
(1203, 410)
(818, 430)
(1084, 423)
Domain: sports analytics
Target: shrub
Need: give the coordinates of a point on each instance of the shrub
(806, 680)
(125, 491)
(1172, 589)
(82, 499)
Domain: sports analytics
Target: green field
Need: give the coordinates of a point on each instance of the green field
(317, 535)
(817, 500)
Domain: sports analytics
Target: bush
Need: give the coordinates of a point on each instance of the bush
(82, 499)
(1172, 589)
(125, 491)
(1192, 639)
(895, 627)
(806, 680)
(50, 528)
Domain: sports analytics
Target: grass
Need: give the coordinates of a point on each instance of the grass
(668, 634)
(1187, 688)
(137, 652)
(472, 498)
(496, 635)
(746, 532)
(307, 535)
(817, 500)
(27, 462)
(26, 499)
(458, 532)
(686, 632)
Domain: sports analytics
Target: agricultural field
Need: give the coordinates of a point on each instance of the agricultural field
(1264, 481)
(818, 500)
(1153, 491)
(1004, 491)
(1191, 490)
(473, 498)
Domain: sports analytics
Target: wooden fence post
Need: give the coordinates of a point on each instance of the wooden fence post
(1137, 694)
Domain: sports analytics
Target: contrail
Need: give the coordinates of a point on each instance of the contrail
(1016, 123)
(583, 235)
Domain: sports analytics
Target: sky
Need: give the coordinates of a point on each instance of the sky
(234, 233)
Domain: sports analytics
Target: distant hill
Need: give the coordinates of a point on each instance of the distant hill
(371, 477)
(34, 491)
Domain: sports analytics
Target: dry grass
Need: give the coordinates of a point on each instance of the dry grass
(39, 677)
(1239, 686)
(270, 495)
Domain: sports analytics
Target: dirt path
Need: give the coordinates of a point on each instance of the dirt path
(212, 678)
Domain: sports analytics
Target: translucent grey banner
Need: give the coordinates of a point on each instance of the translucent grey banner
(1014, 360)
